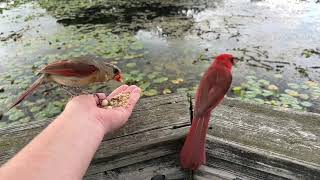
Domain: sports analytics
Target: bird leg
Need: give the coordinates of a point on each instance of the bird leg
(68, 91)
(75, 91)
(99, 103)
(82, 91)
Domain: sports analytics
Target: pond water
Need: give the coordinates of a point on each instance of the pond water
(164, 47)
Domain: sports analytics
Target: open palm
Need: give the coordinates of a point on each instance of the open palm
(85, 106)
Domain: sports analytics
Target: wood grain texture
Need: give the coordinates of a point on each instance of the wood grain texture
(245, 141)
(154, 120)
(228, 160)
(286, 132)
(165, 165)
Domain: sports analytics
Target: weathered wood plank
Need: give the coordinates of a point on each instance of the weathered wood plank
(228, 160)
(290, 133)
(245, 141)
(166, 112)
(167, 165)
(126, 150)
(209, 173)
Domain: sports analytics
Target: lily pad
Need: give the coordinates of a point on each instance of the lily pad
(267, 93)
(139, 77)
(304, 96)
(145, 85)
(237, 90)
(258, 101)
(296, 106)
(166, 91)
(278, 76)
(250, 94)
(51, 110)
(25, 120)
(255, 89)
(16, 115)
(131, 65)
(306, 104)
(304, 86)
(293, 85)
(191, 91)
(275, 103)
(160, 80)
(177, 81)
(150, 92)
(40, 115)
(307, 53)
(136, 46)
(316, 90)
(128, 78)
(2, 124)
(264, 82)
(273, 87)
(252, 82)
(35, 109)
(315, 97)
(311, 84)
(152, 75)
(182, 90)
(292, 92)
(134, 72)
(59, 104)
(251, 77)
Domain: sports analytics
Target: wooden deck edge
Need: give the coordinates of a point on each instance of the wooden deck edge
(231, 160)
(245, 141)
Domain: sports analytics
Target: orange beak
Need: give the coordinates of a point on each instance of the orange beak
(118, 77)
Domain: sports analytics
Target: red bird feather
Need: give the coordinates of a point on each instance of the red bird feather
(212, 89)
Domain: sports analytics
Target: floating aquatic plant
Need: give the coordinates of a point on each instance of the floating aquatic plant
(160, 79)
(150, 92)
(263, 92)
(166, 91)
(177, 81)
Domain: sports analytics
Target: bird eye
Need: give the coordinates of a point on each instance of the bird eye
(116, 71)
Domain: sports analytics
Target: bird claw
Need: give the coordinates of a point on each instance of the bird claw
(74, 91)
(99, 102)
(72, 94)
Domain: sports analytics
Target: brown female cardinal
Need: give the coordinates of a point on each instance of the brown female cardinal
(211, 91)
(74, 72)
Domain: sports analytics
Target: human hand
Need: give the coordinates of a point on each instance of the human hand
(85, 107)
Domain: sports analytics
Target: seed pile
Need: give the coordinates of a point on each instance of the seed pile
(120, 100)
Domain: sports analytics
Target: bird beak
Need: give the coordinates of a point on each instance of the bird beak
(235, 60)
(119, 78)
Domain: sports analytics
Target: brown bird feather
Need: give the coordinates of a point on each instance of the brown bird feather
(73, 72)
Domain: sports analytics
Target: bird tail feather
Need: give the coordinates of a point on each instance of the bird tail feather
(26, 93)
(193, 154)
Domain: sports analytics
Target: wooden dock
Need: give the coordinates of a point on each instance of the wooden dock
(244, 141)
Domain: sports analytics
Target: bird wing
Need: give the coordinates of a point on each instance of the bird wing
(212, 89)
(70, 68)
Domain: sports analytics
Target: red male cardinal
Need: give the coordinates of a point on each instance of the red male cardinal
(74, 72)
(211, 91)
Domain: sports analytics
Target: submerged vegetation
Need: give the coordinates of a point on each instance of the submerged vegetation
(162, 46)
